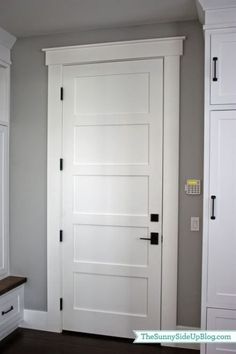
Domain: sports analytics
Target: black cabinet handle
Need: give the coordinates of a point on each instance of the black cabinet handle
(214, 69)
(213, 198)
(7, 311)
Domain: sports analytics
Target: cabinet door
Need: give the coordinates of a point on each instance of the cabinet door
(3, 200)
(222, 211)
(220, 320)
(223, 68)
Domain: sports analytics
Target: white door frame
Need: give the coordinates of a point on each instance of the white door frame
(170, 49)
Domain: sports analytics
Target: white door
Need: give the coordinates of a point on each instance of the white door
(222, 226)
(223, 68)
(3, 199)
(112, 182)
(221, 320)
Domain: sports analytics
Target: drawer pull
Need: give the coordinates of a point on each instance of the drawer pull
(213, 198)
(214, 69)
(7, 311)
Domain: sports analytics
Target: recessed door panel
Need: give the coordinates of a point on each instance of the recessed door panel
(89, 241)
(94, 95)
(111, 195)
(111, 144)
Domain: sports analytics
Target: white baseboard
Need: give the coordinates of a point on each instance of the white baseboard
(39, 320)
(35, 320)
(194, 346)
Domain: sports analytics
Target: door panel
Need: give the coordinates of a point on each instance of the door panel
(112, 182)
(126, 195)
(222, 229)
(95, 93)
(112, 144)
(89, 241)
(113, 294)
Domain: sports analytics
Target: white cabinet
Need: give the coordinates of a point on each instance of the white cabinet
(11, 288)
(219, 250)
(219, 209)
(217, 320)
(6, 43)
(3, 200)
(11, 310)
(223, 68)
(222, 214)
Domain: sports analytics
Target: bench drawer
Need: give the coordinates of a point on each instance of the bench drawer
(11, 310)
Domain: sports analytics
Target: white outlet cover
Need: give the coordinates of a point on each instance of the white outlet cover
(195, 223)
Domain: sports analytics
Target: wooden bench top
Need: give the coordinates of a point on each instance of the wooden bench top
(10, 283)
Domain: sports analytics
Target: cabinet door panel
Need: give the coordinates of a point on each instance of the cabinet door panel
(223, 68)
(3, 200)
(222, 230)
(221, 320)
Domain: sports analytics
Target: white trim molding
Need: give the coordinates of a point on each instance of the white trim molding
(170, 49)
(217, 14)
(35, 320)
(149, 48)
(195, 346)
(6, 43)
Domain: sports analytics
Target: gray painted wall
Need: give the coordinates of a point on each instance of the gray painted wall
(28, 144)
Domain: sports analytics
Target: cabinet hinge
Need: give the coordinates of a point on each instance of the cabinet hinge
(61, 164)
(61, 304)
(61, 94)
(61, 236)
(161, 238)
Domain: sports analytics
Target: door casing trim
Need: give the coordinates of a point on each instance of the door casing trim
(170, 49)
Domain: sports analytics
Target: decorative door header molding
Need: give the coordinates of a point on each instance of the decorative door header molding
(149, 48)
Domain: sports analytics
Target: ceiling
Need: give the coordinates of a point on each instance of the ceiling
(36, 17)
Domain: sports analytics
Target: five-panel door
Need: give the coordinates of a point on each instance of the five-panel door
(112, 183)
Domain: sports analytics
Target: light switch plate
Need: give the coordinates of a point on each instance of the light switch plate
(195, 223)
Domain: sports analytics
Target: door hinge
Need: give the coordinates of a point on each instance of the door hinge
(161, 238)
(61, 94)
(61, 236)
(61, 164)
(61, 304)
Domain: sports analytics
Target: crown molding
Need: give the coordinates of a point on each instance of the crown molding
(215, 14)
(6, 39)
(208, 5)
(201, 12)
